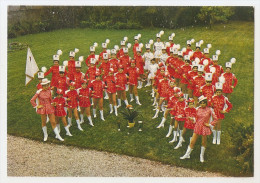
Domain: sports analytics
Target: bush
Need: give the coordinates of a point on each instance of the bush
(85, 24)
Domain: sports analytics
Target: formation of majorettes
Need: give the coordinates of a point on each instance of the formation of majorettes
(187, 84)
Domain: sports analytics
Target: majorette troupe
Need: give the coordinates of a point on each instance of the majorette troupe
(187, 84)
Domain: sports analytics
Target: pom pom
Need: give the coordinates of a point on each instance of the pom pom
(116, 47)
(81, 58)
(44, 69)
(173, 34)
(191, 53)
(129, 45)
(205, 62)
(125, 38)
(161, 32)
(59, 52)
(209, 46)
(178, 46)
(151, 42)
(167, 44)
(192, 40)
(139, 36)
(218, 52)
(95, 44)
(65, 63)
(212, 69)
(184, 50)
(221, 79)
(201, 42)
(76, 50)
(96, 57)
(107, 41)
(233, 60)
(141, 45)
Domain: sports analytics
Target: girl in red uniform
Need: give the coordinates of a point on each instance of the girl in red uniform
(216, 69)
(184, 69)
(125, 61)
(202, 127)
(158, 76)
(121, 81)
(136, 45)
(121, 52)
(104, 68)
(190, 116)
(90, 56)
(78, 76)
(40, 78)
(206, 60)
(71, 66)
(59, 103)
(63, 81)
(197, 53)
(208, 89)
(84, 102)
(197, 82)
(55, 72)
(179, 115)
(91, 71)
(140, 65)
(221, 106)
(44, 108)
(110, 82)
(188, 48)
(230, 80)
(133, 76)
(97, 87)
(113, 61)
(101, 55)
(72, 100)
(190, 75)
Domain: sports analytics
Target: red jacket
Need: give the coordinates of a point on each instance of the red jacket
(198, 54)
(163, 87)
(208, 91)
(121, 81)
(139, 63)
(230, 80)
(168, 49)
(220, 103)
(73, 97)
(59, 107)
(190, 112)
(191, 74)
(133, 74)
(110, 82)
(197, 83)
(84, 97)
(97, 87)
(87, 61)
(104, 67)
(120, 53)
(63, 84)
(91, 73)
(187, 52)
(78, 78)
(179, 110)
(134, 49)
(184, 72)
(125, 60)
(71, 68)
(55, 74)
(114, 64)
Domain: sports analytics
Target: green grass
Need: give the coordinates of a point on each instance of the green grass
(235, 40)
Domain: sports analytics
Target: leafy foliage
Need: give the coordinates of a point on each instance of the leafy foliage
(130, 114)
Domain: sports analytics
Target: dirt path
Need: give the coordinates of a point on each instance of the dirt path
(32, 158)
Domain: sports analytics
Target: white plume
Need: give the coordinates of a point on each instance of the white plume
(173, 34)
(65, 63)
(76, 50)
(81, 58)
(209, 46)
(233, 60)
(192, 40)
(129, 45)
(151, 42)
(59, 52)
(116, 47)
(44, 69)
(95, 44)
(107, 41)
(218, 52)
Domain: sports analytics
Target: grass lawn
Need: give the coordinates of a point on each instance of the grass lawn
(234, 40)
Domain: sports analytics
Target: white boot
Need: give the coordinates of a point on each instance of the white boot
(119, 102)
(94, 113)
(214, 136)
(174, 137)
(156, 114)
(187, 154)
(57, 134)
(131, 97)
(67, 131)
(69, 122)
(58, 126)
(81, 118)
(126, 87)
(79, 127)
(115, 107)
(202, 151)
(139, 85)
(90, 121)
(92, 103)
(170, 131)
(45, 134)
(48, 119)
(126, 102)
(102, 115)
(162, 123)
(218, 137)
(106, 95)
(154, 101)
(111, 108)
(179, 143)
(137, 100)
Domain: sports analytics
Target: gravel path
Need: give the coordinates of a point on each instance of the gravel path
(32, 158)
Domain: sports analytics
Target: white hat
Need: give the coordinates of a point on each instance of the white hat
(147, 46)
(201, 98)
(81, 58)
(104, 45)
(228, 65)
(77, 64)
(175, 51)
(136, 38)
(208, 76)
(194, 64)
(105, 56)
(122, 43)
(206, 50)
(201, 68)
(219, 86)
(138, 49)
(186, 57)
(163, 47)
(56, 57)
(214, 57)
(179, 53)
(125, 50)
(158, 35)
(93, 60)
(170, 38)
(72, 54)
(40, 75)
(92, 48)
(45, 81)
(197, 44)
(212, 69)
(61, 68)
(113, 51)
(196, 61)
(171, 49)
(189, 42)
(205, 62)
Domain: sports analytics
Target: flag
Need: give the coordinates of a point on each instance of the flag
(31, 67)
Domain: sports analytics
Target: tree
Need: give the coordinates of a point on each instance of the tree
(214, 14)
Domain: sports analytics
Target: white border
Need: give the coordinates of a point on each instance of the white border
(3, 89)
